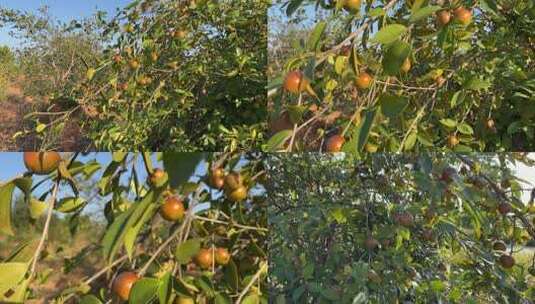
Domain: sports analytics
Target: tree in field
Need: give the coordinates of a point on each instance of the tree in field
(182, 75)
(192, 231)
(403, 76)
(400, 228)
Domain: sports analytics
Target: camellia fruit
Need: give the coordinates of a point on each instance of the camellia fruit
(507, 261)
(222, 256)
(504, 208)
(370, 148)
(41, 163)
(134, 64)
(364, 80)
(334, 143)
(233, 181)
(216, 178)
(123, 284)
(238, 194)
(295, 82)
(172, 209)
(453, 140)
(204, 258)
(370, 243)
(406, 66)
(158, 177)
(463, 15)
(443, 17)
(184, 300)
(352, 5)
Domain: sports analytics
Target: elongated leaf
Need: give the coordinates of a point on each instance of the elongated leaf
(392, 105)
(424, 12)
(394, 57)
(90, 299)
(232, 276)
(144, 291)
(132, 232)
(365, 128)
(185, 251)
(6, 194)
(389, 33)
(293, 6)
(70, 204)
(181, 166)
(164, 290)
(11, 274)
(315, 36)
(24, 184)
(277, 141)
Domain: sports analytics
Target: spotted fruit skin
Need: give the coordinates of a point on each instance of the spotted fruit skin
(172, 209)
(295, 82)
(123, 284)
(41, 163)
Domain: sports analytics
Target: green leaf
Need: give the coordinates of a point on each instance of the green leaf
(6, 194)
(340, 64)
(448, 122)
(164, 290)
(180, 166)
(24, 184)
(251, 299)
(187, 250)
(411, 140)
(465, 128)
(277, 141)
(296, 113)
(232, 276)
(365, 128)
(376, 12)
(293, 6)
(132, 232)
(424, 12)
(330, 294)
(11, 274)
(119, 156)
(37, 208)
(392, 106)
(222, 299)
(475, 83)
(144, 291)
(90, 299)
(389, 33)
(308, 271)
(315, 36)
(395, 56)
(24, 252)
(70, 204)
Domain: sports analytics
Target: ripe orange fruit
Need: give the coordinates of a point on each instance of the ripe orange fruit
(117, 58)
(158, 177)
(443, 17)
(295, 82)
(216, 178)
(406, 66)
(134, 64)
(204, 258)
(463, 15)
(507, 261)
(453, 140)
(364, 80)
(41, 163)
(222, 256)
(238, 194)
(504, 208)
(352, 5)
(123, 284)
(334, 143)
(172, 209)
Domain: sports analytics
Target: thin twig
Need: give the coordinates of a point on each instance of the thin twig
(202, 218)
(263, 268)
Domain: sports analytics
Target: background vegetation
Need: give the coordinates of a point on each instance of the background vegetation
(396, 228)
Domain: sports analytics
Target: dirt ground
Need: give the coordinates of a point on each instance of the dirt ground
(12, 113)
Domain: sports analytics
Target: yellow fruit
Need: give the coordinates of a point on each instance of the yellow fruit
(295, 82)
(443, 17)
(453, 140)
(352, 5)
(238, 195)
(204, 258)
(406, 66)
(172, 209)
(463, 15)
(41, 163)
(364, 80)
(222, 256)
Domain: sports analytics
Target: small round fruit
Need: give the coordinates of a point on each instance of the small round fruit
(204, 258)
(370, 148)
(172, 209)
(180, 34)
(463, 15)
(499, 246)
(504, 208)
(404, 219)
(352, 5)
(117, 58)
(490, 124)
(216, 178)
(123, 284)
(406, 66)
(334, 143)
(295, 82)
(507, 261)
(184, 300)
(443, 17)
(364, 80)
(158, 177)
(453, 140)
(238, 194)
(370, 243)
(134, 64)
(222, 256)
(233, 181)
(41, 163)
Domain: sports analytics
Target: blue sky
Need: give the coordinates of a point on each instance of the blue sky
(64, 10)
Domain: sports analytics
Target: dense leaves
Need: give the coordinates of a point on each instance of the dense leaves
(468, 62)
(400, 229)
